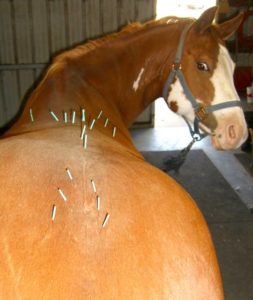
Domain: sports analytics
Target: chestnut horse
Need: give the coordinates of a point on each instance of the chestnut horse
(83, 216)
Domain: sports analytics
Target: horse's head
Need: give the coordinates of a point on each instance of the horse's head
(203, 70)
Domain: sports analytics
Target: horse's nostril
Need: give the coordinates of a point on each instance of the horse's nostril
(232, 132)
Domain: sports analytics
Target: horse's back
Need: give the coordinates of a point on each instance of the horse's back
(97, 223)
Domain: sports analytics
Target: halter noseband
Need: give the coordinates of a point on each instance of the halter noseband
(201, 111)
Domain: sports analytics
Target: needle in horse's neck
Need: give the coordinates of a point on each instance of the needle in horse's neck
(121, 77)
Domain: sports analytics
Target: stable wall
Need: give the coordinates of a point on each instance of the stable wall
(32, 31)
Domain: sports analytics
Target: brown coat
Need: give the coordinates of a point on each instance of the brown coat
(144, 237)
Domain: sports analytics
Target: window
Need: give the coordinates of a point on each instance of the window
(182, 8)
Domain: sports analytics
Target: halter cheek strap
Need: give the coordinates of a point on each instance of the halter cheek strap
(200, 110)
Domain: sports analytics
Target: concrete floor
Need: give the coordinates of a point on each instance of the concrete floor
(234, 239)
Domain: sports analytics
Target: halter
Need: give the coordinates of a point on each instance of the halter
(201, 111)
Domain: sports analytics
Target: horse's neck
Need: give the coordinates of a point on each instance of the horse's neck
(131, 76)
(120, 77)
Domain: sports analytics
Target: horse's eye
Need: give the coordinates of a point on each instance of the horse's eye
(203, 66)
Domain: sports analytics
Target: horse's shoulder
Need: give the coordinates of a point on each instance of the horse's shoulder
(116, 212)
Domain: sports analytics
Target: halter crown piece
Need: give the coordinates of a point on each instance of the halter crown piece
(201, 111)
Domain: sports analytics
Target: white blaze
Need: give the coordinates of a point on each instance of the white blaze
(137, 81)
(224, 90)
(222, 78)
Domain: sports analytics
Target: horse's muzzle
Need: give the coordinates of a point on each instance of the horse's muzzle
(231, 137)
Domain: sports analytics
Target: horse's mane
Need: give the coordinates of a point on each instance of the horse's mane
(96, 43)
(60, 60)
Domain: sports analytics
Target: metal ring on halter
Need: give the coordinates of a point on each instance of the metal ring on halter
(197, 137)
(176, 66)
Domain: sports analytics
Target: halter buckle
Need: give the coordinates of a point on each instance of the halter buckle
(200, 112)
(176, 66)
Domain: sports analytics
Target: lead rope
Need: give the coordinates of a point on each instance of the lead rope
(175, 162)
(195, 132)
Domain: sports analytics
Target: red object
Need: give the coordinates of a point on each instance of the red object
(236, 3)
(242, 78)
(245, 41)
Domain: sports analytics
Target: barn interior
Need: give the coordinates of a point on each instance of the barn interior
(32, 32)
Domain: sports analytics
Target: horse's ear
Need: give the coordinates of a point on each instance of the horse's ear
(205, 20)
(227, 28)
